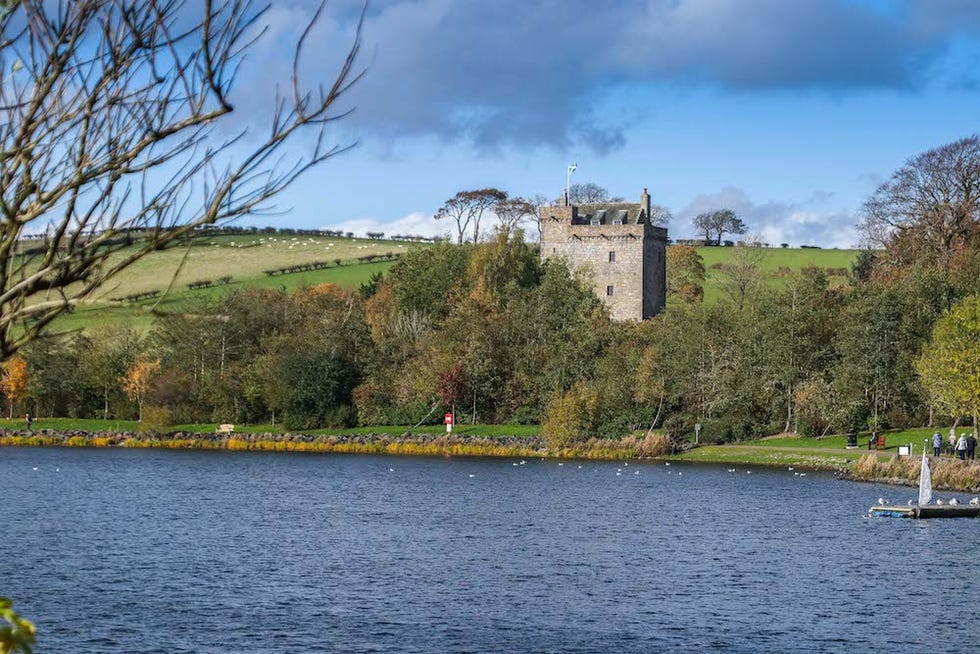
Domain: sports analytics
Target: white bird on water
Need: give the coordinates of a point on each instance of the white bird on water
(667, 463)
(882, 501)
(975, 501)
(34, 468)
(939, 502)
(911, 503)
(471, 476)
(954, 502)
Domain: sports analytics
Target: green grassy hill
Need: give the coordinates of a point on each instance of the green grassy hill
(244, 258)
(775, 264)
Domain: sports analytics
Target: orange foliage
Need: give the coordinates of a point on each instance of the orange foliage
(14, 381)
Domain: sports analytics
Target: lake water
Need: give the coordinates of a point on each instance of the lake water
(157, 551)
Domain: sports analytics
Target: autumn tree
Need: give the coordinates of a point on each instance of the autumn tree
(117, 139)
(14, 382)
(512, 212)
(950, 363)
(466, 208)
(719, 223)
(685, 273)
(136, 382)
(929, 209)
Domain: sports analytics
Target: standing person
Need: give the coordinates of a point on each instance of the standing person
(28, 419)
(952, 440)
(971, 446)
(937, 443)
(961, 447)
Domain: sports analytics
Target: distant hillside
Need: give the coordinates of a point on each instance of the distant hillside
(245, 259)
(215, 264)
(775, 263)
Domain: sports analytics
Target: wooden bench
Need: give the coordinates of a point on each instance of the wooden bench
(878, 442)
(225, 429)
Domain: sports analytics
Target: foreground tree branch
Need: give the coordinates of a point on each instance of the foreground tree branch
(114, 140)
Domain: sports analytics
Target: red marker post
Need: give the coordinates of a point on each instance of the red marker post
(449, 423)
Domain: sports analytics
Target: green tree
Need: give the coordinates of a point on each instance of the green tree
(685, 274)
(950, 363)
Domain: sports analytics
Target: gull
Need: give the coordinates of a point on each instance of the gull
(619, 474)
(954, 502)
(580, 467)
(975, 501)
(791, 468)
(679, 474)
(34, 468)
(514, 464)
(636, 472)
(748, 472)
(561, 464)
(667, 463)
(626, 464)
(911, 503)
(803, 474)
(731, 470)
(939, 502)
(471, 476)
(882, 501)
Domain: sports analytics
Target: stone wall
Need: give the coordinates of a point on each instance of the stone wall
(627, 263)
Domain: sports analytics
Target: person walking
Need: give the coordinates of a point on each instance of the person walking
(961, 447)
(971, 446)
(937, 443)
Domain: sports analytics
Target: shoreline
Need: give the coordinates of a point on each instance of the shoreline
(948, 474)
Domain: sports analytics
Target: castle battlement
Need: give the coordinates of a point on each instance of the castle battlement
(615, 243)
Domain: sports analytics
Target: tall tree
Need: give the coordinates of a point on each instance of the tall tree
(136, 381)
(685, 273)
(950, 364)
(930, 207)
(117, 140)
(14, 382)
(719, 223)
(466, 208)
(512, 212)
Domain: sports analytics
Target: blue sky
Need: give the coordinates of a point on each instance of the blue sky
(789, 111)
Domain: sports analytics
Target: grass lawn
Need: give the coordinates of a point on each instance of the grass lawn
(826, 452)
(770, 261)
(94, 425)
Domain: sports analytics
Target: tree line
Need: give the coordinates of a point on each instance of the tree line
(495, 334)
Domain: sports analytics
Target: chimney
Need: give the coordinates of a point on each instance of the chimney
(645, 203)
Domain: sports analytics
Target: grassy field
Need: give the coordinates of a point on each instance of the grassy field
(827, 452)
(773, 262)
(243, 258)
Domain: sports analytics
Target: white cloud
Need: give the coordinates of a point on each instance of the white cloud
(775, 222)
(416, 223)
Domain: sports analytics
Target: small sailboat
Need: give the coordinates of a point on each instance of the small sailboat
(922, 508)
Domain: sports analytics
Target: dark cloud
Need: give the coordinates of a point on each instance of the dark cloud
(536, 73)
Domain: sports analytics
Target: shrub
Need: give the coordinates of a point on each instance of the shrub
(155, 419)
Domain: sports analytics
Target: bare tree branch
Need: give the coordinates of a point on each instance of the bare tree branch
(109, 141)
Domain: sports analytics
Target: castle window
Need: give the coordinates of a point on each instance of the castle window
(612, 257)
(609, 290)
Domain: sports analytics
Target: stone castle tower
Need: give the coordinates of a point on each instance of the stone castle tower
(626, 255)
